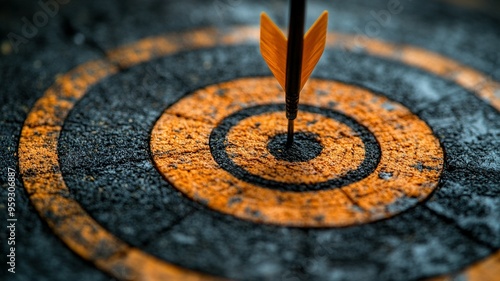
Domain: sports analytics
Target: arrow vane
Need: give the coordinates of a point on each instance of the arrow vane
(292, 60)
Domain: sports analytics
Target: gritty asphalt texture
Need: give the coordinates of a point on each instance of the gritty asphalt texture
(104, 146)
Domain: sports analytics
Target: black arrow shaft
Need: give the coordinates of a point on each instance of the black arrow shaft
(294, 61)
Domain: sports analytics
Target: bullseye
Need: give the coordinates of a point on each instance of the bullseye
(305, 147)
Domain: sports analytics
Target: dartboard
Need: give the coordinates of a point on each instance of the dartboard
(143, 140)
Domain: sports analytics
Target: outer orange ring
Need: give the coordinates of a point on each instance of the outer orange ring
(487, 269)
(39, 164)
(406, 142)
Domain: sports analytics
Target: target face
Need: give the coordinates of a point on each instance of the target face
(179, 138)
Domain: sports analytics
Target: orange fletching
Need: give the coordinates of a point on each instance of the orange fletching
(314, 45)
(273, 47)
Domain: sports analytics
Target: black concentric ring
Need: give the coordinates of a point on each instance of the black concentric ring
(218, 145)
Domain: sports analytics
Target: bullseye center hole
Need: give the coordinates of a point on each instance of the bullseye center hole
(305, 147)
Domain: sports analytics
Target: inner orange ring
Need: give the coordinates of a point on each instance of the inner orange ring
(342, 149)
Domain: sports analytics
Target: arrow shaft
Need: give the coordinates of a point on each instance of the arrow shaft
(294, 56)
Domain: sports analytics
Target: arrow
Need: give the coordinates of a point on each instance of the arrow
(292, 61)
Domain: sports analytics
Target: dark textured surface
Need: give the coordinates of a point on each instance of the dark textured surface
(457, 225)
(422, 242)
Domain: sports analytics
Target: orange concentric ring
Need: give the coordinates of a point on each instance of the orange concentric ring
(342, 151)
(407, 144)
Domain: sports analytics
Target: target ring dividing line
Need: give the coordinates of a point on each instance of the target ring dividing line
(39, 165)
